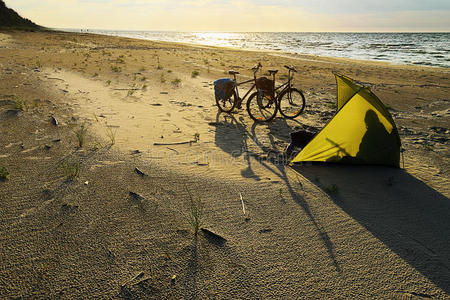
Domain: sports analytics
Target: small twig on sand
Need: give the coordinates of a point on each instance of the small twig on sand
(242, 201)
(140, 274)
(134, 89)
(176, 143)
(139, 172)
(173, 150)
(54, 78)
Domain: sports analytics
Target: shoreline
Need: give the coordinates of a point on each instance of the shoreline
(270, 50)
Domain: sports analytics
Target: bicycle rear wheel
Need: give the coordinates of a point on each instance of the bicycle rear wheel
(261, 107)
(292, 103)
(227, 105)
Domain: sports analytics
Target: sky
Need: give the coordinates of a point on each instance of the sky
(240, 15)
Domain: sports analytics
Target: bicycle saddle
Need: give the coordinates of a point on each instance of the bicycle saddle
(231, 72)
(291, 68)
(273, 71)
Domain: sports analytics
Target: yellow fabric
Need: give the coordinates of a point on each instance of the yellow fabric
(346, 88)
(362, 132)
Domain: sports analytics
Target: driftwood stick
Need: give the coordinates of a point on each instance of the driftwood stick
(242, 201)
(176, 143)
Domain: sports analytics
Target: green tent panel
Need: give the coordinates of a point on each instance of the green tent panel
(361, 132)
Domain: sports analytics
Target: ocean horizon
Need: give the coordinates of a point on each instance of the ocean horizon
(410, 48)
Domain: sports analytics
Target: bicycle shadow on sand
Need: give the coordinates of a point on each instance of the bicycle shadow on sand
(233, 137)
(400, 210)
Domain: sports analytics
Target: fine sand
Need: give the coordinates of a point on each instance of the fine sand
(112, 231)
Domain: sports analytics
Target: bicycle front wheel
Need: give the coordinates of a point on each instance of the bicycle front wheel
(227, 105)
(292, 103)
(261, 107)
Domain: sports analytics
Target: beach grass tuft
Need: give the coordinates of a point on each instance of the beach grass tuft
(111, 134)
(331, 104)
(71, 169)
(116, 69)
(4, 174)
(195, 73)
(195, 212)
(176, 82)
(20, 104)
(81, 133)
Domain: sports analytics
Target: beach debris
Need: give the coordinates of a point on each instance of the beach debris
(138, 171)
(56, 141)
(172, 279)
(86, 182)
(173, 150)
(164, 93)
(135, 277)
(136, 196)
(175, 143)
(67, 208)
(413, 295)
(137, 151)
(54, 121)
(213, 237)
(265, 230)
(10, 113)
(242, 202)
(47, 147)
(156, 104)
(47, 194)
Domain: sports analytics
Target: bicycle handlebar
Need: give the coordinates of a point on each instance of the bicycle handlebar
(256, 67)
(291, 68)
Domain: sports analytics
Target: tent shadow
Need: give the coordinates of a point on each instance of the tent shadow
(403, 212)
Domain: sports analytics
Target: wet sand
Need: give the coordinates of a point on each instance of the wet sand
(383, 233)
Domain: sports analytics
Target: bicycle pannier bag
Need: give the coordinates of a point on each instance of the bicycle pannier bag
(265, 84)
(223, 88)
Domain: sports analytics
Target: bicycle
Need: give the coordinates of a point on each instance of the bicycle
(289, 101)
(232, 99)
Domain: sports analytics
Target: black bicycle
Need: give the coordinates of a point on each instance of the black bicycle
(232, 98)
(263, 105)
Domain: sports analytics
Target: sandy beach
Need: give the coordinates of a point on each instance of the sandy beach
(119, 228)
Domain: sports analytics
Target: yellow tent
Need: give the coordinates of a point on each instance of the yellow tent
(361, 132)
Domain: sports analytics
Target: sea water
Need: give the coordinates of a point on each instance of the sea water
(428, 49)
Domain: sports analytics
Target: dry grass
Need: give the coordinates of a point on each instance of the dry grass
(81, 133)
(71, 169)
(195, 212)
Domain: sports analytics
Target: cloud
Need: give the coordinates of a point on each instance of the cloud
(239, 15)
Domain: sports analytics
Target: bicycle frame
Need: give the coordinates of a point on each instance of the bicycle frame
(244, 82)
(286, 85)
